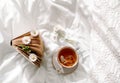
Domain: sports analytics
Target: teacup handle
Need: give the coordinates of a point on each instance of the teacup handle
(58, 67)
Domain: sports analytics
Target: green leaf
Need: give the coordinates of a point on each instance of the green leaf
(25, 48)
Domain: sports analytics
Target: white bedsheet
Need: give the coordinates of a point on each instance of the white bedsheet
(90, 26)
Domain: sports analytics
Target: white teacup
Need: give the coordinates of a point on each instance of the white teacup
(65, 60)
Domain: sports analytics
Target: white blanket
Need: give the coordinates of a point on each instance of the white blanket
(90, 26)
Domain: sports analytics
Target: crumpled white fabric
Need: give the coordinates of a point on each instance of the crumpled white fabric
(89, 26)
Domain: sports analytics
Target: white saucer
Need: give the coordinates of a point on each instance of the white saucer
(59, 68)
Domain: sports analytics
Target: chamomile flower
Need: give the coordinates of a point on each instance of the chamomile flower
(26, 40)
(34, 33)
(33, 57)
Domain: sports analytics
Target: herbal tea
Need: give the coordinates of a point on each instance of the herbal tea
(67, 56)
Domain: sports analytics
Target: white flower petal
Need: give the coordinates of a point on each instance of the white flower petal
(33, 57)
(34, 33)
(26, 40)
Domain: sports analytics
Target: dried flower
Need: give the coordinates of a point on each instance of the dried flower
(33, 57)
(26, 40)
(34, 33)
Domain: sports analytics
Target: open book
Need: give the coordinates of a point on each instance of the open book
(30, 45)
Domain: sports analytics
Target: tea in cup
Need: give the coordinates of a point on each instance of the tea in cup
(65, 60)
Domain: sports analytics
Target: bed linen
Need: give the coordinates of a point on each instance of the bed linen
(90, 26)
